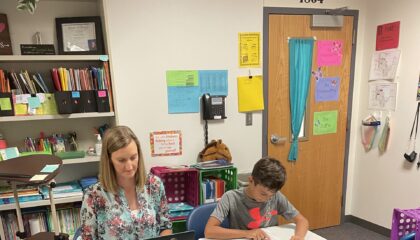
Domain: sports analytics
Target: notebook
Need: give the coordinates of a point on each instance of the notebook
(189, 235)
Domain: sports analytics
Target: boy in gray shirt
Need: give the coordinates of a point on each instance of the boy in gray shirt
(256, 206)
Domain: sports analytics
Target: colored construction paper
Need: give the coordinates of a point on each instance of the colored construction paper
(5, 104)
(387, 36)
(330, 52)
(213, 82)
(183, 99)
(181, 78)
(327, 89)
(325, 122)
(250, 94)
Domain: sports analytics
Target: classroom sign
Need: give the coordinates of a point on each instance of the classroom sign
(325, 122)
(166, 143)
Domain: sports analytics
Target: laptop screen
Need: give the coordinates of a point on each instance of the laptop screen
(189, 235)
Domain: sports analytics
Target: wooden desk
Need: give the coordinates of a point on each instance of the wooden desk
(18, 172)
(284, 232)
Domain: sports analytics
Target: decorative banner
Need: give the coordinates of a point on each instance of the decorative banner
(387, 36)
(249, 49)
(330, 52)
(384, 64)
(166, 143)
(382, 96)
(325, 122)
(327, 89)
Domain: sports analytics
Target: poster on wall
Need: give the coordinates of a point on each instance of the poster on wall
(183, 91)
(325, 122)
(5, 42)
(166, 143)
(327, 89)
(329, 53)
(249, 49)
(387, 36)
(382, 96)
(384, 64)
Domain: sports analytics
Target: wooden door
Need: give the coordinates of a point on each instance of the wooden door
(315, 180)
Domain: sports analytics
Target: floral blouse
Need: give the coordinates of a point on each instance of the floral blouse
(107, 216)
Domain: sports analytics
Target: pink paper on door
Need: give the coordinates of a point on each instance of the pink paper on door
(330, 52)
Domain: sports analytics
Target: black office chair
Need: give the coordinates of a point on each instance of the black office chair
(198, 217)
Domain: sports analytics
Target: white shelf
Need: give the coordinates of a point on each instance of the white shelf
(41, 58)
(56, 117)
(81, 160)
(40, 203)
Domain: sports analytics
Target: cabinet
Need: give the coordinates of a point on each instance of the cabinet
(15, 129)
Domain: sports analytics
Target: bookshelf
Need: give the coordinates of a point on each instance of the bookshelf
(15, 129)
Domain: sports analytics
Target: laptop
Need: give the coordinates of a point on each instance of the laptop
(189, 235)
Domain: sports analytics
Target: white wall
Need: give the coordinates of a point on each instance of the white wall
(149, 37)
(382, 183)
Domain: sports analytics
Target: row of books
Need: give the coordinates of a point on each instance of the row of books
(213, 189)
(74, 79)
(23, 82)
(62, 190)
(40, 220)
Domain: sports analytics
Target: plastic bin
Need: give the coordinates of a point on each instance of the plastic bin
(181, 185)
(405, 222)
(228, 174)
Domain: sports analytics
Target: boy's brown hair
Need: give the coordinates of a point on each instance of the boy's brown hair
(270, 173)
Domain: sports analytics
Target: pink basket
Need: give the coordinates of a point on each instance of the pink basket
(405, 222)
(181, 185)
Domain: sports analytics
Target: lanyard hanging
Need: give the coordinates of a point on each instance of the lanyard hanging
(412, 156)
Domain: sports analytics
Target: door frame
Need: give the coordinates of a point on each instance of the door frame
(310, 11)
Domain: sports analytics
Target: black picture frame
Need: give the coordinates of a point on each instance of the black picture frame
(79, 36)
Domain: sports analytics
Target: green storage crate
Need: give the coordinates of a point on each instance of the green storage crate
(179, 226)
(228, 174)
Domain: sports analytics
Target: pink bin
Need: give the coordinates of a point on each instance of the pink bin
(405, 222)
(181, 185)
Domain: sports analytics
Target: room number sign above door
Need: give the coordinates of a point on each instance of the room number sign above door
(311, 1)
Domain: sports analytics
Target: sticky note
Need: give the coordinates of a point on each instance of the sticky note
(103, 58)
(33, 102)
(75, 94)
(21, 109)
(49, 168)
(38, 177)
(101, 93)
(9, 153)
(5, 104)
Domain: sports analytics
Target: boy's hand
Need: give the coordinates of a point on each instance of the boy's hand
(257, 234)
(294, 237)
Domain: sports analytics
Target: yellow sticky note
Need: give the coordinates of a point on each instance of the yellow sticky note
(5, 104)
(21, 109)
(250, 94)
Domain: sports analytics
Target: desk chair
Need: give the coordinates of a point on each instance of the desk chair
(197, 219)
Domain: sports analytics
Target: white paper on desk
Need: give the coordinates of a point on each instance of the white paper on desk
(38, 177)
(285, 232)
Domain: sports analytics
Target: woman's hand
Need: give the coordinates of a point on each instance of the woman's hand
(257, 234)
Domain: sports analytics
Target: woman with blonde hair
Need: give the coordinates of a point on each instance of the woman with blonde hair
(125, 203)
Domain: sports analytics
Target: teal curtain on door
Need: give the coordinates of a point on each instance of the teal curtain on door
(300, 64)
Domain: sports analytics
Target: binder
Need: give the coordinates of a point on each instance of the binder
(88, 100)
(63, 100)
(76, 102)
(102, 100)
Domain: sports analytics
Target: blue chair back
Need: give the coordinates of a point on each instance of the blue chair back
(198, 218)
(78, 234)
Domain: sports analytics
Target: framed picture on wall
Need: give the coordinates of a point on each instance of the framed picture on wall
(5, 43)
(79, 35)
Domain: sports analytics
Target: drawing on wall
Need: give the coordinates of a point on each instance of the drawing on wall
(384, 64)
(387, 36)
(325, 122)
(382, 96)
(327, 89)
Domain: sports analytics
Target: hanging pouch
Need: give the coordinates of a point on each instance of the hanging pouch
(383, 141)
(369, 131)
(411, 155)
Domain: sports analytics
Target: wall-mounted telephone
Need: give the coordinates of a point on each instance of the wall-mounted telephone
(213, 107)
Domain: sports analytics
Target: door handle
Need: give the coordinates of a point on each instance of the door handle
(275, 139)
